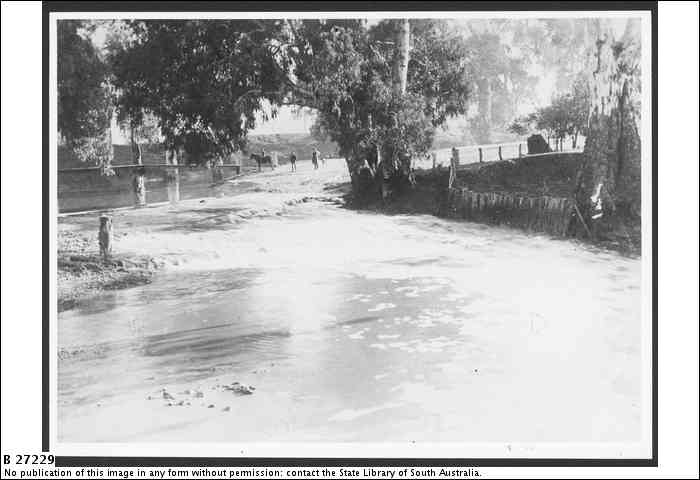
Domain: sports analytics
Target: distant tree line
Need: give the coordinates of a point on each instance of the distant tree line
(566, 116)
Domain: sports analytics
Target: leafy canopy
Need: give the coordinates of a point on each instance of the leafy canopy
(84, 95)
(206, 80)
(348, 67)
(567, 115)
(203, 79)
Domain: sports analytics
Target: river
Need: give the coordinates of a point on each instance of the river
(354, 327)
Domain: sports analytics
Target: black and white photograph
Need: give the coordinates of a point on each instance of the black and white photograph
(351, 234)
(408, 230)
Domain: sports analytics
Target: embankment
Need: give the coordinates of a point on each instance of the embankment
(82, 273)
(534, 193)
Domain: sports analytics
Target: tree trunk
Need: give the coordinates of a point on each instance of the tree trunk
(400, 74)
(108, 158)
(392, 166)
(485, 107)
(611, 181)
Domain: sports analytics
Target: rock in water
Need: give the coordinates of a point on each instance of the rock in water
(239, 389)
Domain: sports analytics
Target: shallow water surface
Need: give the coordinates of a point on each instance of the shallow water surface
(362, 327)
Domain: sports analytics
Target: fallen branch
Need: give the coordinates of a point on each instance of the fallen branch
(583, 222)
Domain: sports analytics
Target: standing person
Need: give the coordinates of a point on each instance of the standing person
(293, 161)
(314, 159)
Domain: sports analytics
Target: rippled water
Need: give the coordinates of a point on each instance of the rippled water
(362, 327)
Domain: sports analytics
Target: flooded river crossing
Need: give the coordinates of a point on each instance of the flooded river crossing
(354, 327)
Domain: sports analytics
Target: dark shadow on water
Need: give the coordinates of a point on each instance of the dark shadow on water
(218, 219)
(209, 342)
(355, 321)
(412, 262)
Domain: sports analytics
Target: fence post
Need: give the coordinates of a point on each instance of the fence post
(139, 184)
(138, 180)
(172, 176)
(105, 236)
(520, 150)
(217, 172)
(500, 155)
(481, 155)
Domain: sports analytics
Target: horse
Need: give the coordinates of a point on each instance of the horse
(260, 160)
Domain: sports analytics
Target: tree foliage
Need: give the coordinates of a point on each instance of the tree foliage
(84, 96)
(566, 116)
(510, 57)
(359, 109)
(500, 73)
(203, 79)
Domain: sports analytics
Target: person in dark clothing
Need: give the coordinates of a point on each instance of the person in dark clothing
(293, 161)
(314, 159)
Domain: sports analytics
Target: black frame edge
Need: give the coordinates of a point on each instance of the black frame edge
(123, 461)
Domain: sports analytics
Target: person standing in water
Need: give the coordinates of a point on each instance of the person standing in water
(314, 159)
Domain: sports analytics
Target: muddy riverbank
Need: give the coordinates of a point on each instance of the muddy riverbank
(82, 273)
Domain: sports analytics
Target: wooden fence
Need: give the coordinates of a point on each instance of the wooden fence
(469, 154)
